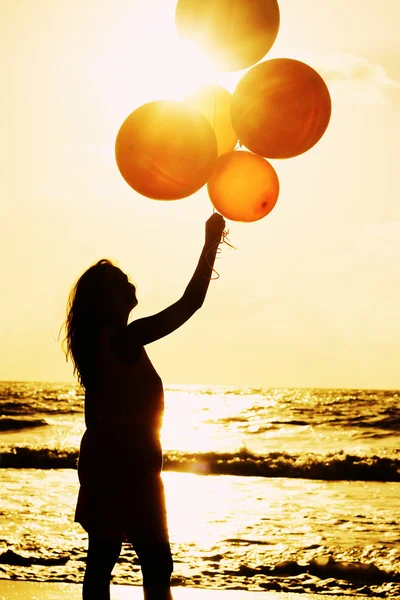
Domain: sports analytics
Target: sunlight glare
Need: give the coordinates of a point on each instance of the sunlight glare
(135, 75)
(188, 69)
(198, 511)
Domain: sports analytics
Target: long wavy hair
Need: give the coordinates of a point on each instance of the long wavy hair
(87, 313)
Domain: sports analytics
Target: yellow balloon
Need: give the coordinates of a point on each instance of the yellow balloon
(214, 102)
(166, 150)
(234, 33)
(243, 186)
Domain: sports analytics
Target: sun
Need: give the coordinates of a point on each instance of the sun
(185, 69)
(132, 75)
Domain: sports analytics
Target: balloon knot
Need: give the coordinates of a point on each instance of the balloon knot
(215, 248)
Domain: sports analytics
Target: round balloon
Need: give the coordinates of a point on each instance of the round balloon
(214, 102)
(280, 108)
(243, 186)
(166, 150)
(235, 34)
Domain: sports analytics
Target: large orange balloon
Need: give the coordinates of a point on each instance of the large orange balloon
(243, 186)
(280, 108)
(234, 33)
(166, 150)
(214, 102)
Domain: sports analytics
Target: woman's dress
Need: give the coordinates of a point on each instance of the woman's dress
(121, 491)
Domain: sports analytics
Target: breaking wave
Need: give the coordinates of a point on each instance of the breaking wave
(9, 424)
(330, 467)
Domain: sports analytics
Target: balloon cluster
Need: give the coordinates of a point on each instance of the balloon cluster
(168, 150)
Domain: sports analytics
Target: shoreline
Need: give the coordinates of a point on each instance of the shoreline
(34, 590)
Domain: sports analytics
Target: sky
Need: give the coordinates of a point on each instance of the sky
(311, 295)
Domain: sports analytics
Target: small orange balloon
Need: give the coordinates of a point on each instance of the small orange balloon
(280, 108)
(243, 186)
(234, 33)
(214, 102)
(166, 150)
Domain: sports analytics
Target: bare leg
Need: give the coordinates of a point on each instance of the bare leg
(157, 594)
(101, 558)
(157, 566)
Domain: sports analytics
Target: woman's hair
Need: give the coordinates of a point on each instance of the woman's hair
(86, 314)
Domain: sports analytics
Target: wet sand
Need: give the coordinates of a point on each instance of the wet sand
(30, 590)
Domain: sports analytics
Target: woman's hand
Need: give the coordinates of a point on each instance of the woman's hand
(215, 225)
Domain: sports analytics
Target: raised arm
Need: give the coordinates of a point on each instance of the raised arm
(130, 339)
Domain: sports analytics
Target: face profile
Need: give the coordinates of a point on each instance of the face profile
(122, 291)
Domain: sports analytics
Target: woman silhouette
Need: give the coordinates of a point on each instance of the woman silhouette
(121, 494)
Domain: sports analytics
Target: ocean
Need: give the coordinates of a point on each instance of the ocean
(267, 489)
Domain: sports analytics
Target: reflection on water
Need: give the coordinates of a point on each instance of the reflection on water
(219, 526)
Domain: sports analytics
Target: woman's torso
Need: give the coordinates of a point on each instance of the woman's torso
(124, 395)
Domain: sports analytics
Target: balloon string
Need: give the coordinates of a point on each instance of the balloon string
(215, 105)
(217, 250)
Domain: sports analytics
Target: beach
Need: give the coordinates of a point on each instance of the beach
(63, 591)
(268, 491)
